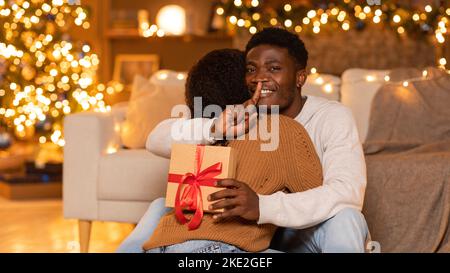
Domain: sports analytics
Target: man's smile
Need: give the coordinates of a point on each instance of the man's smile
(266, 92)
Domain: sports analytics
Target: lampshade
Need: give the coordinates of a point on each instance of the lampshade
(172, 20)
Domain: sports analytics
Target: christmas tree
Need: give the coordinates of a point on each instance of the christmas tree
(44, 75)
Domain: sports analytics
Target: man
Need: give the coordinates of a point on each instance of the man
(324, 219)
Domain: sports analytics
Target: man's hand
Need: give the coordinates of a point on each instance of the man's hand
(238, 200)
(237, 123)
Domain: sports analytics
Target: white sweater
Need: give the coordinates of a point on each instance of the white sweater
(333, 132)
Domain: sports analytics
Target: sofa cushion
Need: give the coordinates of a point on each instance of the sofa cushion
(132, 175)
(150, 104)
(322, 85)
(358, 88)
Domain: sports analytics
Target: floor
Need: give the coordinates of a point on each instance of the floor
(39, 226)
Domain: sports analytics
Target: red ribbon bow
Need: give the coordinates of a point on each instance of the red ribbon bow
(191, 196)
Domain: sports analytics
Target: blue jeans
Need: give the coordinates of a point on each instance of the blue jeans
(345, 232)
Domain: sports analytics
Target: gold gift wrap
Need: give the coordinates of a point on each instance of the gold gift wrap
(183, 161)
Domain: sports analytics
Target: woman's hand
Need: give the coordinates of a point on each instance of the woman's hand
(238, 200)
(233, 123)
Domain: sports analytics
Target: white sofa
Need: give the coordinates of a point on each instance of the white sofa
(105, 182)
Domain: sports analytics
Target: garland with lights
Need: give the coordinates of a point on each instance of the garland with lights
(44, 75)
(319, 16)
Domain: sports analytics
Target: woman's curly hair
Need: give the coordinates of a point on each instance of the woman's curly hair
(219, 78)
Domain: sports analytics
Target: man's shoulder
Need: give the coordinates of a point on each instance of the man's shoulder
(327, 110)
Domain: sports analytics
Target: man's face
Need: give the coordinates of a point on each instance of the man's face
(277, 70)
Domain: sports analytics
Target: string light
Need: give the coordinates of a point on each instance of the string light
(345, 26)
(287, 7)
(348, 15)
(328, 88)
(45, 80)
(255, 3)
(288, 23)
(233, 20)
(370, 78)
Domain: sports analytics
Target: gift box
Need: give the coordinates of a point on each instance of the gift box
(193, 171)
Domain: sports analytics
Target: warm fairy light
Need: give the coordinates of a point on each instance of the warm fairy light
(370, 78)
(220, 11)
(162, 76)
(324, 19)
(255, 3)
(416, 17)
(341, 16)
(237, 3)
(311, 14)
(313, 70)
(288, 23)
(287, 7)
(376, 19)
(49, 78)
(241, 22)
(442, 61)
(256, 16)
(424, 73)
(252, 30)
(160, 33)
(345, 26)
(401, 30)
(440, 37)
(298, 29)
(181, 76)
(328, 88)
(111, 150)
(306, 20)
(397, 18)
(319, 80)
(405, 84)
(428, 8)
(387, 78)
(378, 12)
(233, 19)
(273, 21)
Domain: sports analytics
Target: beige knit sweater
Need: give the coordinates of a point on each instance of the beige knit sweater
(293, 167)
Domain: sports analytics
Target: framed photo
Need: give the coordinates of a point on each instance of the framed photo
(126, 66)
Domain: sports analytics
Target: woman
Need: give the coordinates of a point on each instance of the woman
(294, 166)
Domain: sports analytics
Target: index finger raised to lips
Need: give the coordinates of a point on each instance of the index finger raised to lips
(255, 98)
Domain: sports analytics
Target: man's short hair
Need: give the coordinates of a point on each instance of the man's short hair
(281, 38)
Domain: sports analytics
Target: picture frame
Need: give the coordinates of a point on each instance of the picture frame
(127, 66)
